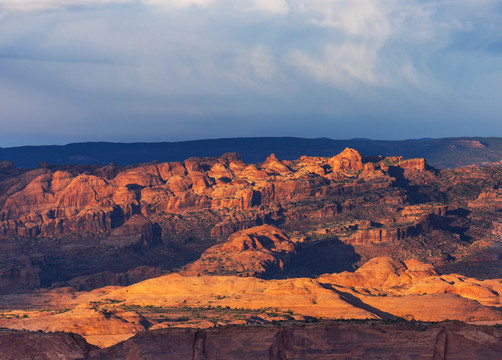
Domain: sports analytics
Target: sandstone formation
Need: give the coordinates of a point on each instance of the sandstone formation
(326, 340)
(54, 203)
(258, 251)
(224, 242)
(103, 328)
(89, 226)
(80, 221)
(316, 341)
(381, 289)
(43, 346)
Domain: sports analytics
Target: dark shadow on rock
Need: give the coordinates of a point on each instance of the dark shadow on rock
(455, 222)
(328, 256)
(355, 301)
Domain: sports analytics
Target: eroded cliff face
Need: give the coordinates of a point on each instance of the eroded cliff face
(99, 224)
(39, 345)
(83, 221)
(316, 341)
(54, 203)
(309, 341)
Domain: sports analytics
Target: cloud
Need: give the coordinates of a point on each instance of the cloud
(340, 65)
(267, 6)
(166, 59)
(31, 5)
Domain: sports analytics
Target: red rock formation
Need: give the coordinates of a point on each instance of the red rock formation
(65, 211)
(39, 345)
(138, 231)
(348, 160)
(330, 340)
(315, 341)
(55, 203)
(383, 272)
(258, 251)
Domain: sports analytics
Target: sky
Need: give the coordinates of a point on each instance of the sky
(171, 70)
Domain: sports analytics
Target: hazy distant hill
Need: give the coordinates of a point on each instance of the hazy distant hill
(441, 153)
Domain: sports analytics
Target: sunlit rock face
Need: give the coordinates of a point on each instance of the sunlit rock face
(381, 289)
(45, 202)
(97, 224)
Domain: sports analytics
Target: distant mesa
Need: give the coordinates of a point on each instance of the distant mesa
(254, 150)
(472, 144)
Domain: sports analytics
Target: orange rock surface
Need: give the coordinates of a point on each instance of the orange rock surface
(252, 252)
(53, 203)
(383, 288)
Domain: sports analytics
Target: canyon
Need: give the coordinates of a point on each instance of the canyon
(121, 255)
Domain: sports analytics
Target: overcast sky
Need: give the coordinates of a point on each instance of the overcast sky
(168, 70)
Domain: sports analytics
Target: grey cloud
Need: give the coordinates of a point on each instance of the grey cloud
(219, 68)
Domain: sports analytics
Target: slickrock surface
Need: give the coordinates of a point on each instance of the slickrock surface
(381, 289)
(102, 327)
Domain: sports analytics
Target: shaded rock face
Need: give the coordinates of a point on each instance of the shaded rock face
(29, 345)
(138, 231)
(108, 278)
(310, 341)
(258, 251)
(315, 341)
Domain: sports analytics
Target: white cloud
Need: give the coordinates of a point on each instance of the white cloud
(340, 65)
(360, 29)
(29, 5)
(266, 6)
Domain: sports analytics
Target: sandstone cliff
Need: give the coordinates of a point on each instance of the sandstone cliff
(327, 340)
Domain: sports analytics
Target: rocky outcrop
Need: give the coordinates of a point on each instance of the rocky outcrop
(166, 215)
(44, 346)
(315, 341)
(331, 340)
(348, 160)
(383, 272)
(259, 251)
(488, 199)
(383, 288)
(392, 232)
(53, 203)
(384, 275)
(136, 232)
(102, 328)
